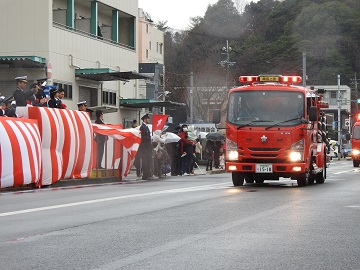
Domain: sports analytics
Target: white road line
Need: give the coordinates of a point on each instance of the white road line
(353, 206)
(189, 189)
(343, 171)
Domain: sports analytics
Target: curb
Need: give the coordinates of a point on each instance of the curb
(94, 181)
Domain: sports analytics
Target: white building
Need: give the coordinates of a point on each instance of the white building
(330, 96)
(90, 48)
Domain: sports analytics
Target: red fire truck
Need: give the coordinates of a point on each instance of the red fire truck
(355, 143)
(275, 129)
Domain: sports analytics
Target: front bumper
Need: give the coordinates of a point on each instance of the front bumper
(276, 167)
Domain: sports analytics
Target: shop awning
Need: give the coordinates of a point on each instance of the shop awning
(106, 74)
(148, 103)
(22, 62)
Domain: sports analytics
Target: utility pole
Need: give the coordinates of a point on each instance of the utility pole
(304, 69)
(356, 95)
(339, 115)
(191, 96)
(227, 63)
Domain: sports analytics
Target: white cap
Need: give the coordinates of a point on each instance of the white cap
(21, 79)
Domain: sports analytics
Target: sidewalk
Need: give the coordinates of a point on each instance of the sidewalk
(130, 178)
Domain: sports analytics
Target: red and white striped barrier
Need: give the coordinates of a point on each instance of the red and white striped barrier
(128, 139)
(66, 143)
(20, 152)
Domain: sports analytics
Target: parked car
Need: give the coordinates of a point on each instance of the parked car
(345, 150)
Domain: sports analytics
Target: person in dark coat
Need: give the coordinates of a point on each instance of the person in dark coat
(209, 154)
(100, 139)
(217, 153)
(54, 101)
(31, 96)
(41, 84)
(145, 148)
(19, 94)
(9, 109)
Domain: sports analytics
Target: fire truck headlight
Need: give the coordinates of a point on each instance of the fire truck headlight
(231, 150)
(233, 155)
(295, 156)
(355, 152)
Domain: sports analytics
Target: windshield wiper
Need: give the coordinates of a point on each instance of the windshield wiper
(254, 121)
(303, 121)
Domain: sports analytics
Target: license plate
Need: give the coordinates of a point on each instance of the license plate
(263, 168)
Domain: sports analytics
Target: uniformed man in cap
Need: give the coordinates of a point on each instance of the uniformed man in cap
(9, 109)
(19, 94)
(82, 106)
(145, 148)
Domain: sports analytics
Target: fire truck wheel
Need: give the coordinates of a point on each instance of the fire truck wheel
(321, 176)
(238, 179)
(303, 179)
(356, 163)
(249, 179)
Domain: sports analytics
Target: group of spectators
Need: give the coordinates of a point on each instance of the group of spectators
(157, 157)
(35, 96)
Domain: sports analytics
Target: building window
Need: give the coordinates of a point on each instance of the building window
(147, 54)
(150, 45)
(67, 89)
(332, 94)
(161, 48)
(157, 46)
(147, 29)
(109, 98)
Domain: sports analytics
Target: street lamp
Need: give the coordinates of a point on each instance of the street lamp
(164, 95)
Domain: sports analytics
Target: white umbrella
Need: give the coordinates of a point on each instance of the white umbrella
(171, 137)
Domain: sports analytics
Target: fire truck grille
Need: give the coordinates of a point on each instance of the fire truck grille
(264, 155)
(265, 149)
(263, 160)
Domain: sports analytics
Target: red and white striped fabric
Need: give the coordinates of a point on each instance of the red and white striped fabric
(20, 152)
(128, 139)
(66, 143)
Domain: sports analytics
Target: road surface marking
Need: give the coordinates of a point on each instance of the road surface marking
(168, 191)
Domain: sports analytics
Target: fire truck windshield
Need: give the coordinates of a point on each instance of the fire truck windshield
(266, 107)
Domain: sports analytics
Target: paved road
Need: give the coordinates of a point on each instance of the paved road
(193, 222)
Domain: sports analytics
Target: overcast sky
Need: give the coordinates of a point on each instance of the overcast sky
(176, 13)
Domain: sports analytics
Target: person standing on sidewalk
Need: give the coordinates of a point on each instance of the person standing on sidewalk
(187, 150)
(100, 139)
(145, 148)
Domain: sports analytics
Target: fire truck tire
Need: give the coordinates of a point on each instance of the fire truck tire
(303, 179)
(356, 163)
(249, 179)
(238, 179)
(321, 176)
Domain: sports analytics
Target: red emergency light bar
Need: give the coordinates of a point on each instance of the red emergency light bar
(358, 117)
(270, 78)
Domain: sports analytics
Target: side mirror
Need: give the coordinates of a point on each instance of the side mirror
(216, 116)
(313, 114)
